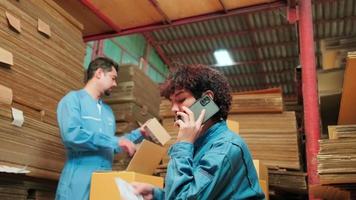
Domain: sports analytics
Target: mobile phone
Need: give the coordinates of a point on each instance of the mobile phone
(206, 103)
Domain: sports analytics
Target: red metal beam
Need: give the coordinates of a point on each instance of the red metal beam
(223, 6)
(95, 50)
(238, 49)
(152, 27)
(123, 49)
(160, 11)
(309, 90)
(158, 49)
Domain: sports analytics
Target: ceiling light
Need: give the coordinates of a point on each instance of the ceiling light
(223, 57)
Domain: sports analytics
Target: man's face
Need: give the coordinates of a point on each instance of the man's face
(181, 98)
(109, 81)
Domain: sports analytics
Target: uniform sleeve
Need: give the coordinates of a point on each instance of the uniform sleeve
(206, 179)
(135, 136)
(74, 136)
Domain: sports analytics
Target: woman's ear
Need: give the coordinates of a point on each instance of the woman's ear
(210, 94)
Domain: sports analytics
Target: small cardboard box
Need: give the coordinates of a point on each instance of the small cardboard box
(261, 169)
(103, 185)
(146, 158)
(155, 129)
(233, 125)
(264, 187)
(262, 173)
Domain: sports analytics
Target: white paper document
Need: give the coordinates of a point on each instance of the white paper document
(126, 190)
(15, 170)
(17, 115)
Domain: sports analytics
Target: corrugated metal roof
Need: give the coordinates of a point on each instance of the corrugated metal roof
(263, 44)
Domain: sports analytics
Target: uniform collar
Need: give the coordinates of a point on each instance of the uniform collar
(85, 93)
(212, 132)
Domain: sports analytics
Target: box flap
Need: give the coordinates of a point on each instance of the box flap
(44, 28)
(103, 184)
(156, 130)
(13, 22)
(146, 158)
(6, 58)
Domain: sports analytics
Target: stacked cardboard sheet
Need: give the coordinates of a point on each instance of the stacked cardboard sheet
(271, 138)
(294, 181)
(334, 192)
(42, 46)
(17, 187)
(337, 156)
(135, 86)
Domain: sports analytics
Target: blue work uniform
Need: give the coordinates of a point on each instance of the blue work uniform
(217, 166)
(87, 129)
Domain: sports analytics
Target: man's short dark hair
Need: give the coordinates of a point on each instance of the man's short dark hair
(100, 62)
(198, 79)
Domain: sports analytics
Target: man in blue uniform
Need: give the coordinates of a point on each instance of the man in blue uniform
(208, 161)
(88, 128)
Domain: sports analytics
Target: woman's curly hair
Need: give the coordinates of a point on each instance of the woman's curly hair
(198, 79)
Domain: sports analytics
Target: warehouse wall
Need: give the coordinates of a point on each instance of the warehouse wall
(132, 49)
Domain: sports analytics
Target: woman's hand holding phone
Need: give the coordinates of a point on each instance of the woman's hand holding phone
(189, 129)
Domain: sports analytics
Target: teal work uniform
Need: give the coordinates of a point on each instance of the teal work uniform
(217, 166)
(87, 129)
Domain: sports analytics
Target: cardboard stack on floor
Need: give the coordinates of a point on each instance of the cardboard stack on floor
(16, 187)
(106, 185)
(337, 154)
(135, 100)
(270, 132)
(337, 160)
(271, 135)
(41, 59)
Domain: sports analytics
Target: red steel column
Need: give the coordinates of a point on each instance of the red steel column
(310, 90)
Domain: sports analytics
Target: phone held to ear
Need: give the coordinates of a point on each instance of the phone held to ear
(203, 103)
(206, 103)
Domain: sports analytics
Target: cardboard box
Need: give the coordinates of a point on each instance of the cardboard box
(233, 125)
(103, 185)
(146, 158)
(262, 173)
(261, 169)
(157, 131)
(264, 187)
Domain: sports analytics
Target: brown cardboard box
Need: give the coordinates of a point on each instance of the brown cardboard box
(146, 158)
(103, 184)
(233, 125)
(261, 169)
(156, 129)
(262, 173)
(264, 187)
